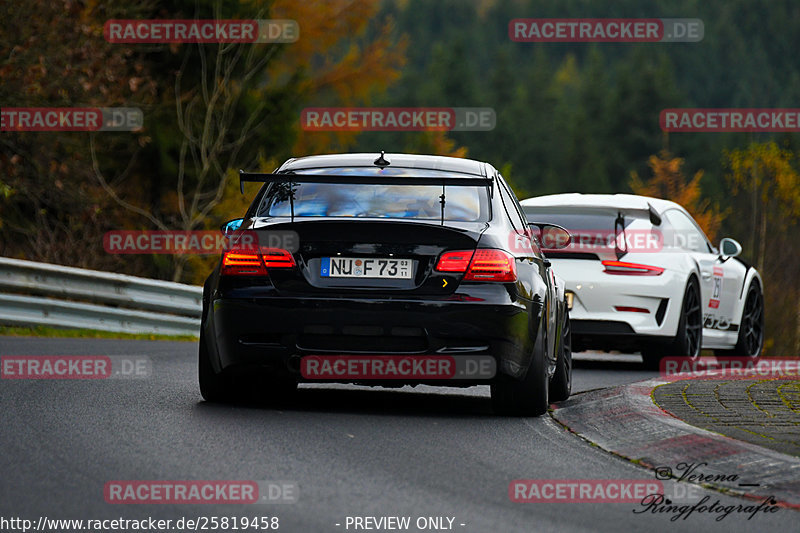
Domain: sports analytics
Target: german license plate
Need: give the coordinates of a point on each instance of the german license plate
(363, 267)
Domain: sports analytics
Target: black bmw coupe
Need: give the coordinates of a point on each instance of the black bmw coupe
(389, 270)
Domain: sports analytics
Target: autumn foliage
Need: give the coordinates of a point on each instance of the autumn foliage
(669, 182)
(768, 170)
(765, 190)
(209, 111)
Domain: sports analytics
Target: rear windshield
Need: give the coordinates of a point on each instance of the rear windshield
(422, 202)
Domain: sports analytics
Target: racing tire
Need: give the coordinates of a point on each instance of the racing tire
(214, 387)
(750, 341)
(689, 339)
(528, 396)
(561, 384)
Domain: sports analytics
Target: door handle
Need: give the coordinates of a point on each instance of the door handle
(706, 275)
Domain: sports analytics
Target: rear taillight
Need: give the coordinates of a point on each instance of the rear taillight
(491, 265)
(255, 263)
(277, 258)
(242, 263)
(454, 261)
(480, 264)
(631, 269)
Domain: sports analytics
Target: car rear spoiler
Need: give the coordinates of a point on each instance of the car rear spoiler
(463, 181)
(619, 227)
(468, 181)
(620, 214)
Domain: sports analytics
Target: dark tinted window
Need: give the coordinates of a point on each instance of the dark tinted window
(462, 203)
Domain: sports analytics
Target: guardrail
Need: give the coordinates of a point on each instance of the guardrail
(34, 293)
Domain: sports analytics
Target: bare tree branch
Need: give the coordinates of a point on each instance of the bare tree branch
(113, 194)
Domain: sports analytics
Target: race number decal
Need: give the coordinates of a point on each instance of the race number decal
(713, 303)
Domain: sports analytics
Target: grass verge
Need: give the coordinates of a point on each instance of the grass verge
(45, 331)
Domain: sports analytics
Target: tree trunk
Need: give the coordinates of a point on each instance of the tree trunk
(762, 245)
(753, 225)
(797, 332)
(177, 272)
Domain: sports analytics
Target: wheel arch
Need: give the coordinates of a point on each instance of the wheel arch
(752, 275)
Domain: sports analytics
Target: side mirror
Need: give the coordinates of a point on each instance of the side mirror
(550, 236)
(231, 226)
(729, 248)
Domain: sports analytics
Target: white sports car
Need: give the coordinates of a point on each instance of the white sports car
(642, 276)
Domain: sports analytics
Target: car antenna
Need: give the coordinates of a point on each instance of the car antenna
(442, 202)
(291, 198)
(382, 161)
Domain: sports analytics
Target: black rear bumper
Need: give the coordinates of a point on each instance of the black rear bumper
(270, 332)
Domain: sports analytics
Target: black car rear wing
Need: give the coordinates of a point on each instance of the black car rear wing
(463, 181)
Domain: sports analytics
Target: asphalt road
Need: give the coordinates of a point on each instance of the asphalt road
(352, 451)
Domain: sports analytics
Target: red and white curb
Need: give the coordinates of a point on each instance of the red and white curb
(625, 421)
